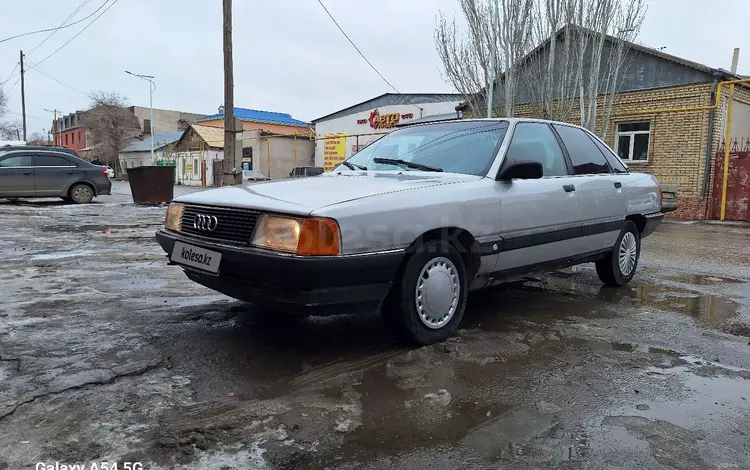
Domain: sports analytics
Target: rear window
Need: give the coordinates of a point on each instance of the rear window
(586, 157)
(52, 160)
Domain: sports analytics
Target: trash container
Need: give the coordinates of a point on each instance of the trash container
(151, 184)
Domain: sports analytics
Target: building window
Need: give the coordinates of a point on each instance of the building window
(633, 141)
(79, 137)
(66, 139)
(195, 167)
(72, 138)
(147, 126)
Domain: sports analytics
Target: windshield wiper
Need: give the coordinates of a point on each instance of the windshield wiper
(406, 163)
(353, 166)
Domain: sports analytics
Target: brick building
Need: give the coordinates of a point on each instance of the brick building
(652, 128)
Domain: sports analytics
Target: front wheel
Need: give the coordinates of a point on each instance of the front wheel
(429, 299)
(618, 268)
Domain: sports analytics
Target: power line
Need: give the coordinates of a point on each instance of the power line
(58, 81)
(357, 48)
(28, 115)
(62, 26)
(65, 24)
(10, 75)
(77, 34)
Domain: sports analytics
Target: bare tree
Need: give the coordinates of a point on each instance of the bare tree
(110, 124)
(8, 130)
(581, 54)
(37, 138)
(495, 37)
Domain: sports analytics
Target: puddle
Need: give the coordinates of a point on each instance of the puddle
(711, 308)
(701, 280)
(60, 255)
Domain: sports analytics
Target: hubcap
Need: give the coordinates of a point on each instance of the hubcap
(437, 293)
(628, 253)
(81, 193)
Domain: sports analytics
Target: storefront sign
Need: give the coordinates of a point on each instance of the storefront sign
(334, 150)
(384, 121)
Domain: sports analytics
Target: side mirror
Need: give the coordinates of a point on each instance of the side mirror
(523, 170)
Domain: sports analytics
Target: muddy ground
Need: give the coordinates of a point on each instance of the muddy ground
(108, 354)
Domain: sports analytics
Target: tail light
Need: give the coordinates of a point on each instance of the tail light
(104, 170)
(661, 196)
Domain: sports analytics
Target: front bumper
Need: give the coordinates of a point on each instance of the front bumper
(322, 285)
(652, 221)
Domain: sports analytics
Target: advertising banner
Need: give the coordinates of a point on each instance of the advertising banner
(334, 150)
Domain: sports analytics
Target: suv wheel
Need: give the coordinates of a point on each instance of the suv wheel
(81, 194)
(428, 301)
(618, 268)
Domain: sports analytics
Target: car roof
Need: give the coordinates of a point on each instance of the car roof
(4, 151)
(498, 119)
(8, 148)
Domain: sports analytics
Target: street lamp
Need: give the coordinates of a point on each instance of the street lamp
(151, 89)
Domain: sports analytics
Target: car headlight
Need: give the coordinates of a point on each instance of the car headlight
(173, 219)
(303, 236)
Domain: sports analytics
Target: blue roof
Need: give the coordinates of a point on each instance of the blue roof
(160, 140)
(256, 115)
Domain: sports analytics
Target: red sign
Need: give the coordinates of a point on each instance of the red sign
(384, 121)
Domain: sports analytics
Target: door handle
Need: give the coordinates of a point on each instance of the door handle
(26, 173)
(618, 184)
(569, 188)
(71, 172)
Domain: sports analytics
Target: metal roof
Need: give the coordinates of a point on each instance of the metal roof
(213, 136)
(432, 118)
(255, 115)
(387, 99)
(160, 140)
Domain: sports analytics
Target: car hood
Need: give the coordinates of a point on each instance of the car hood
(304, 195)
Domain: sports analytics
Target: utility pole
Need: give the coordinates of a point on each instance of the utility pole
(23, 98)
(229, 131)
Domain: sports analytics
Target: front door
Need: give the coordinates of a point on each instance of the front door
(54, 173)
(539, 218)
(16, 176)
(603, 200)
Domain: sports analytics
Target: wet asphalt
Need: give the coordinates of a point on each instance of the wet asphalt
(109, 355)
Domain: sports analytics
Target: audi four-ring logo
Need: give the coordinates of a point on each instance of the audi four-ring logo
(205, 222)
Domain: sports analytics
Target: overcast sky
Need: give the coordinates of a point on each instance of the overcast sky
(288, 55)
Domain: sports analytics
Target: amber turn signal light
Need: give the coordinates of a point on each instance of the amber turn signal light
(319, 237)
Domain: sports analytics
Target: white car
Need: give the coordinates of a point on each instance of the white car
(411, 223)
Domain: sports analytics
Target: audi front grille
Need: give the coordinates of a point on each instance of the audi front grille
(221, 224)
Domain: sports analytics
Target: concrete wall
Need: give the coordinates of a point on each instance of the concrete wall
(279, 151)
(353, 126)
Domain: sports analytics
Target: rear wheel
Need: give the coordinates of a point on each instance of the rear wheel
(428, 301)
(81, 194)
(618, 268)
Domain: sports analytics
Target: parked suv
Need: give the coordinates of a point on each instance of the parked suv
(27, 172)
(414, 221)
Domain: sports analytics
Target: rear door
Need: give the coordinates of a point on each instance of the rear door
(17, 175)
(603, 201)
(539, 218)
(54, 173)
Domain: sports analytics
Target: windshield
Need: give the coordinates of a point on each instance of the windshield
(467, 147)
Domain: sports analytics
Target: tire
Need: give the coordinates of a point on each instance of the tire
(411, 316)
(81, 194)
(627, 247)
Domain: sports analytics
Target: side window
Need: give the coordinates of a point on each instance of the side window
(16, 161)
(52, 160)
(534, 141)
(585, 155)
(614, 162)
